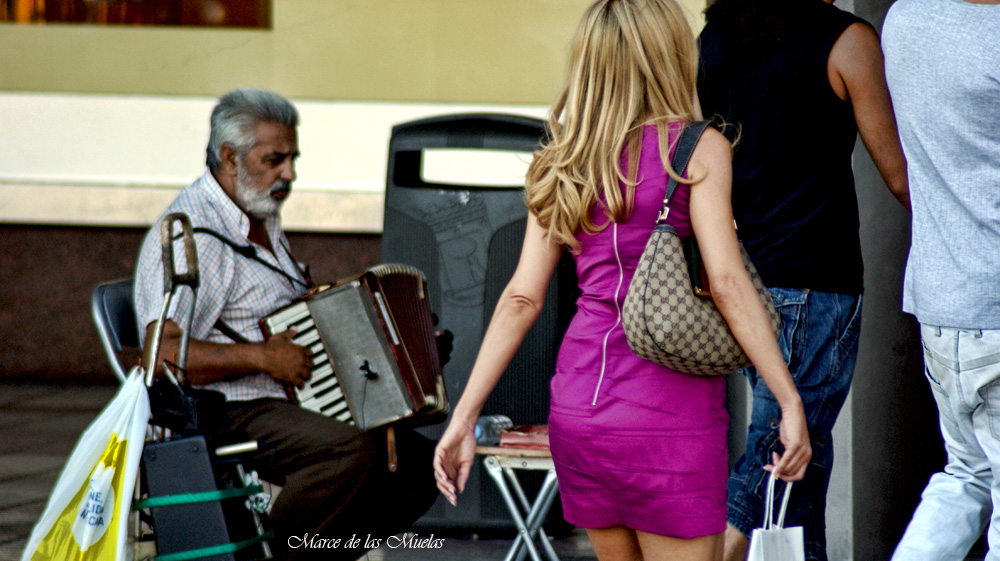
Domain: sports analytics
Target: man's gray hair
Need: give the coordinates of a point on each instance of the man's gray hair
(236, 115)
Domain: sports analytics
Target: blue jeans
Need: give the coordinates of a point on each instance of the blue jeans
(963, 369)
(819, 340)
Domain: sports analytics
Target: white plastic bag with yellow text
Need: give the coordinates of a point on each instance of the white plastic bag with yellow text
(86, 518)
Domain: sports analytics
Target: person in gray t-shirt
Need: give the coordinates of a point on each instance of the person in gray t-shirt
(942, 60)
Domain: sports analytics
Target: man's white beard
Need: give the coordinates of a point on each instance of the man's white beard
(258, 204)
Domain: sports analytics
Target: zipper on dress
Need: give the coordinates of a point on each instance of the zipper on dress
(618, 318)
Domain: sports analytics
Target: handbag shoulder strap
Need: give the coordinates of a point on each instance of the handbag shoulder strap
(686, 143)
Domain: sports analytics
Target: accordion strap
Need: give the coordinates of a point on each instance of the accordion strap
(229, 331)
(249, 252)
(390, 441)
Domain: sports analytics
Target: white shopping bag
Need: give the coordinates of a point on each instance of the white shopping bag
(86, 518)
(774, 542)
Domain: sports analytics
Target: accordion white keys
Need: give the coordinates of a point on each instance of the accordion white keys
(375, 358)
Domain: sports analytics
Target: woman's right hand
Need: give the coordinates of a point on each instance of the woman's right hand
(453, 458)
(794, 435)
(737, 298)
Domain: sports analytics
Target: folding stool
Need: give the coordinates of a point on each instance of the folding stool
(501, 461)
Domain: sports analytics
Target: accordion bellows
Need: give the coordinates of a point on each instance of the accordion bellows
(373, 346)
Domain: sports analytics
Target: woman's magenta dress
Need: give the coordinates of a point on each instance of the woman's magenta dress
(635, 443)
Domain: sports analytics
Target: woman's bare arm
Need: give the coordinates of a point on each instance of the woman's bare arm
(735, 295)
(516, 311)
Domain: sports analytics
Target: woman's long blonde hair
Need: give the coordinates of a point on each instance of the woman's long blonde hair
(633, 62)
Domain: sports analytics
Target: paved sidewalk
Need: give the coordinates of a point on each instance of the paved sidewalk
(39, 426)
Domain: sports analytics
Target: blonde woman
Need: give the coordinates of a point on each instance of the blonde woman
(640, 450)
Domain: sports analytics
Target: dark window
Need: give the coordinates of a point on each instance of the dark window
(200, 13)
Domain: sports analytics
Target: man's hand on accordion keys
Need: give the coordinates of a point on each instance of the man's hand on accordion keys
(445, 341)
(287, 361)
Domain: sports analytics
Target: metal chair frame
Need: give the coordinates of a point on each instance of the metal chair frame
(114, 317)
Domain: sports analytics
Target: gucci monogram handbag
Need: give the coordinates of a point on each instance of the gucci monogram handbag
(664, 320)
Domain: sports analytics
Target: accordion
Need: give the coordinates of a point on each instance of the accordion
(375, 358)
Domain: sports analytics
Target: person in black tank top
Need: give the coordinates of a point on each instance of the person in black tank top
(796, 81)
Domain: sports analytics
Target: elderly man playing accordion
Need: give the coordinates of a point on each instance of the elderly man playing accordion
(336, 481)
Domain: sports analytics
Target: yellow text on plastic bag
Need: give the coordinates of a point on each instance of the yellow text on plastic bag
(81, 531)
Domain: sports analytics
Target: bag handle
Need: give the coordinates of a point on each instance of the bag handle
(769, 523)
(686, 143)
(172, 280)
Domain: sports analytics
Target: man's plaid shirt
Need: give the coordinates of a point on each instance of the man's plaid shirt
(237, 289)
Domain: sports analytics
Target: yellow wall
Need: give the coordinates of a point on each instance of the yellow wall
(483, 51)
(97, 121)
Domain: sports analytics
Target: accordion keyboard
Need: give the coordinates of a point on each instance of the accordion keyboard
(322, 393)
